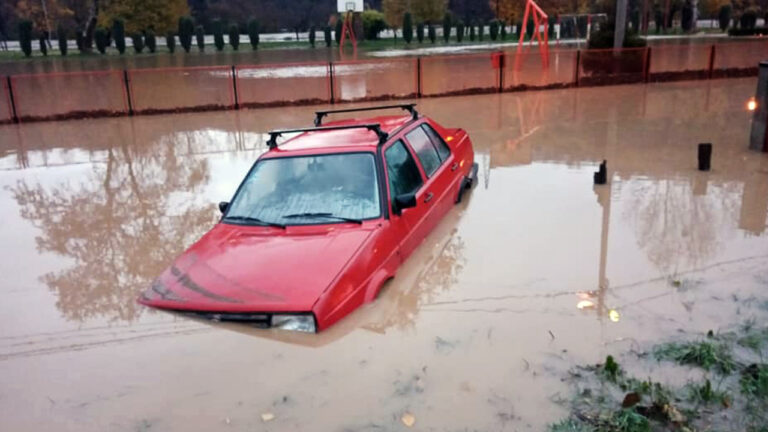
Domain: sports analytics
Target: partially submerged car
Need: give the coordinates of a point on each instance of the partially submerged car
(321, 222)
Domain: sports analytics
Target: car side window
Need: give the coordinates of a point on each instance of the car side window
(404, 175)
(442, 148)
(424, 149)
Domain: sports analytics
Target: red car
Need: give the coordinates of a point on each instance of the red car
(321, 222)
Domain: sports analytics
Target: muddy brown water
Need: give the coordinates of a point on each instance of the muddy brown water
(474, 333)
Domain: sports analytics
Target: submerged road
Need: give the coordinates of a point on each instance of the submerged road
(480, 324)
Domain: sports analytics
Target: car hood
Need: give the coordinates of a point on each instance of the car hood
(256, 269)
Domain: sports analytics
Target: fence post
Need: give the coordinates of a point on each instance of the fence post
(711, 61)
(647, 64)
(576, 71)
(501, 70)
(330, 77)
(234, 87)
(418, 76)
(129, 96)
(15, 116)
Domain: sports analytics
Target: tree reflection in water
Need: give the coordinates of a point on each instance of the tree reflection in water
(121, 225)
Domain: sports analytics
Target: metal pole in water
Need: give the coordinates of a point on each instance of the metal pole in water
(757, 136)
(15, 116)
(705, 156)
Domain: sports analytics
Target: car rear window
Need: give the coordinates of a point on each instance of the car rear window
(442, 148)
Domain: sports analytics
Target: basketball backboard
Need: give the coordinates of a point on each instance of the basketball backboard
(349, 5)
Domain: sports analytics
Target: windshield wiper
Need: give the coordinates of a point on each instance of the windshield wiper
(254, 220)
(324, 215)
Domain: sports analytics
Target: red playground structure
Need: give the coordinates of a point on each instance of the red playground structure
(540, 19)
(348, 32)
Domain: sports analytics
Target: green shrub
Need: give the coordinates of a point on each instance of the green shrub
(480, 31)
(407, 27)
(25, 37)
(61, 34)
(200, 38)
(102, 39)
(253, 33)
(447, 24)
(43, 45)
(118, 33)
(724, 16)
(494, 30)
(503, 26)
(186, 30)
(138, 42)
(234, 36)
(748, 19)
(686, 21)
(472, 33)
(151, 41)
(327, 36)
(218, 34)
(420, 32)
(374, 23)
(603, 39)
(337, 30)
(432, 33)
(311, 36)
(170, 42)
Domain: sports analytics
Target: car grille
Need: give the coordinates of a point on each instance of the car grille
(260, 320)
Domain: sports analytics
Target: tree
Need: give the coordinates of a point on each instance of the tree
(61, 35)
(312, 36)
(686, 21)
(200, 38)
(138, 15)
(186, 30)
(394, 11)
(253, 33)
(447, 24)
(504, 30)
(420, 32)
(432, 33)
(471, 32)
(480, 31)
(337, 31)
(508, 10)
(170, 41)
(428, 10)
(43, 44)
(138, 42)
(494, 30)
(218, 34)
(25, 36)
(118, 33)
(407, 27)
(460, 31)
(43, 13)
(327, 36)
(373, 24)
(724, 16)
(151, 41)
(234, 36)
(102, 39)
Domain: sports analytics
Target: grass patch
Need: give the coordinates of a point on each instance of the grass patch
(705, 394)
(570, 425)
(610, 370)
(709, 355)
(754, 381)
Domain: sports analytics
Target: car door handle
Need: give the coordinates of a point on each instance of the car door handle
(455, 166)
(428, 198)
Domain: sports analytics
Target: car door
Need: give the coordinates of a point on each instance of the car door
(437, 164)
(404, 177)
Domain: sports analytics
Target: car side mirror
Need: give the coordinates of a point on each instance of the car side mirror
(223, 206)
(404, 201)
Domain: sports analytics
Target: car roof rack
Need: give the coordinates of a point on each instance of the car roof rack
(374, 127)
(407, 107)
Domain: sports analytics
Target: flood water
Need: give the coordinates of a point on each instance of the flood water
(474, 333)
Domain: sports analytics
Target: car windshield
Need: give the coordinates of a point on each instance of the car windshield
(308, 190)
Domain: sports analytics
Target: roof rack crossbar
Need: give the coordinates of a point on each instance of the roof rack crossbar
(411, 108)
(373, 127)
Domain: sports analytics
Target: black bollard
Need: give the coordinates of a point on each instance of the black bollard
(705, 156)
(601, 176)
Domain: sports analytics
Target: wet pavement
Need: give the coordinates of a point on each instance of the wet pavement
(478, 327)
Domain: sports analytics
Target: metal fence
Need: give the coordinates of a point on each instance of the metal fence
(58, 96)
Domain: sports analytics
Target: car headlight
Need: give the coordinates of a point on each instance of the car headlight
(302, 323)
